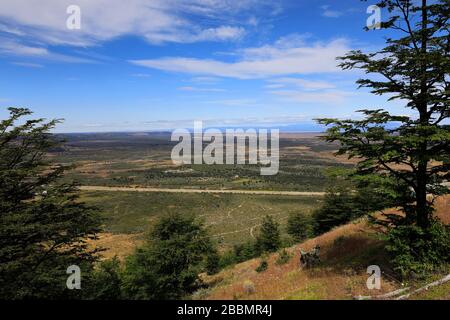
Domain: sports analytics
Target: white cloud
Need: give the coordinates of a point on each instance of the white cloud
(306, 91)
(205, 80)
(324, 97)
(11, 47)
(14, 48)
(156, 20)
(28, 64)
(329, 13)
(275, 86)
(140, 75)
(302, 83)
(261, 62)
(234, 102)
(221, 33)
(196, 89)
(11, 30)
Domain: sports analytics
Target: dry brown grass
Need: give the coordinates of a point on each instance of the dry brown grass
(120, 245)
(441, 205)
(443, 209)
(346, 253)
(334, 279)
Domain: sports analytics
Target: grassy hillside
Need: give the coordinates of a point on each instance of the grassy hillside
(230, 218)
(347, 251)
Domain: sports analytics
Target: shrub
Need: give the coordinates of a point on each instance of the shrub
(168, 265)
(228, 258)
(338, 209)
(262, 266)
(416, 251)
(244, 251)
(352, 196)
(249, 287)
(283, 257)
(212, 262)
(106, 281)
(268, 239)
(299, 226)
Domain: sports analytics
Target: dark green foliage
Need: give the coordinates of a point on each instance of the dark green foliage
(299, 226)
(412, 149)
(168, 265)
(106, 282)
(212, 262)
(417, 251)
(351, 196)
(245, 251)
(283, 257)
(268, 239)
(227, 259)
(240, 253)
(263, 266)
(338, 209)
(43, 227)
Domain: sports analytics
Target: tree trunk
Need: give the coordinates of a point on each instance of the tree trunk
(423, 212)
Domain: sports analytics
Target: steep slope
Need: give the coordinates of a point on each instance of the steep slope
(346, 252)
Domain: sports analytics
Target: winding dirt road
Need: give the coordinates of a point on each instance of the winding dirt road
(167, 190)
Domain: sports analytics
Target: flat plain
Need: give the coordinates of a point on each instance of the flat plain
(231, 200)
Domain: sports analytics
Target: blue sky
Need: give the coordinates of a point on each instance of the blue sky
(161, 64)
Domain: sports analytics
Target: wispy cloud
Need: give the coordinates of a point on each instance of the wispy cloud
(321, 97)
(169, 125)
(14, 48)
(234, 102)
(157, 21)
(140, 75)
(28, 64)
(11, 30)
(330, 13)
(197, 89)
(205, 80)
(306, 91)
(260, 62)
(309, 85)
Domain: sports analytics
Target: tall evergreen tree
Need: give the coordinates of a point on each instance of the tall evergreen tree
(299, 226)
(268, 239)
(413, 150)
(42, 225)
(168, 265)
(350, 196)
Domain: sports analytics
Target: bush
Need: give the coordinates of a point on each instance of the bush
(338, 209)
(249, 287)
(268, 239)
(283, 257)
(299, 226)
(416, 251)
(106, 281)
(168, 265)
(352, 196)
(228, 258)
(212, 262)
(262, 266)
(245, 251)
